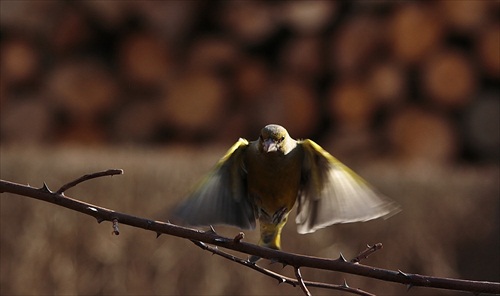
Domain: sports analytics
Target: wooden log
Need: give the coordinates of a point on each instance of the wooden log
(211, 53)
(351, 106)
(84, 89)
(308, 17)
(488, 48)
(464, 16)
(71, 32)
(297, 106)
(144, 60)
(355, 43)
(250, 22)
(422, 137)
(303, 57)
(252, 79)
(387, 83)
(414, 31)
(448, 79)
(20, 61)
(195, 102)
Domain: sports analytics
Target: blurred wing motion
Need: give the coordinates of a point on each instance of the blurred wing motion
(332, 193)
(221, 198)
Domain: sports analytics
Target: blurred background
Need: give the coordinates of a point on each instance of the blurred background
(405, 93)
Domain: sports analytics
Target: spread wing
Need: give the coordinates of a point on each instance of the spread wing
(221, 198)
(332, 193)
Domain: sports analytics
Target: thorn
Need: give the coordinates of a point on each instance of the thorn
(345, 285)
(403, 274)
(408, 287)
(281, 281)
(341, 258)
(45, 188)
(158, 234)
(212, 230)
(99, 219)
(253, 259)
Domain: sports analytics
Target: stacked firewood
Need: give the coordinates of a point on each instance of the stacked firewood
(413, 81)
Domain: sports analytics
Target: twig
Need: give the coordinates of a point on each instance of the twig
(103, 214)
(367, 252)
(301, 281)
(84, 178)
(280, 278)
(216, 251)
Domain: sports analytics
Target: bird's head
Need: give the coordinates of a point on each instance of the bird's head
(275, 138)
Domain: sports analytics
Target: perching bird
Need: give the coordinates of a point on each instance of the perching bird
(263, 180)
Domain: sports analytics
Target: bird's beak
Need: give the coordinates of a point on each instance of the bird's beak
(269, 146)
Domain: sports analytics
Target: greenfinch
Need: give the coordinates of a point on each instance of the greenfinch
(263, 180)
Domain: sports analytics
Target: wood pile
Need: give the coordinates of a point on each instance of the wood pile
(418, 81)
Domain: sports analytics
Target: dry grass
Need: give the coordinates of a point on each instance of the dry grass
(449, 227)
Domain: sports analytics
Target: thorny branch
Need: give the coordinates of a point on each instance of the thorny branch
(84, 178)
(210, 237)
(281, 278)
(367, 252)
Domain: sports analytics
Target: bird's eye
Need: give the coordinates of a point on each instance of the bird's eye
(282, 139)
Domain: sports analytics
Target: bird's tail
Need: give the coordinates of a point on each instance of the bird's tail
(270, 237)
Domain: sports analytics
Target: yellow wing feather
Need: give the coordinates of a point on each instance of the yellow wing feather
(332, 193)
(221, 198)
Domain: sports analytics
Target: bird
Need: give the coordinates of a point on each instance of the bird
(263, 180)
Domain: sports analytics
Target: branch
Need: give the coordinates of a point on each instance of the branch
(367, 252)
(84, 178)
(301, 281)
(340, 264)
(281, 278)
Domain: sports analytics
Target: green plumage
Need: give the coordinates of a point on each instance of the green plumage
(263, 179)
